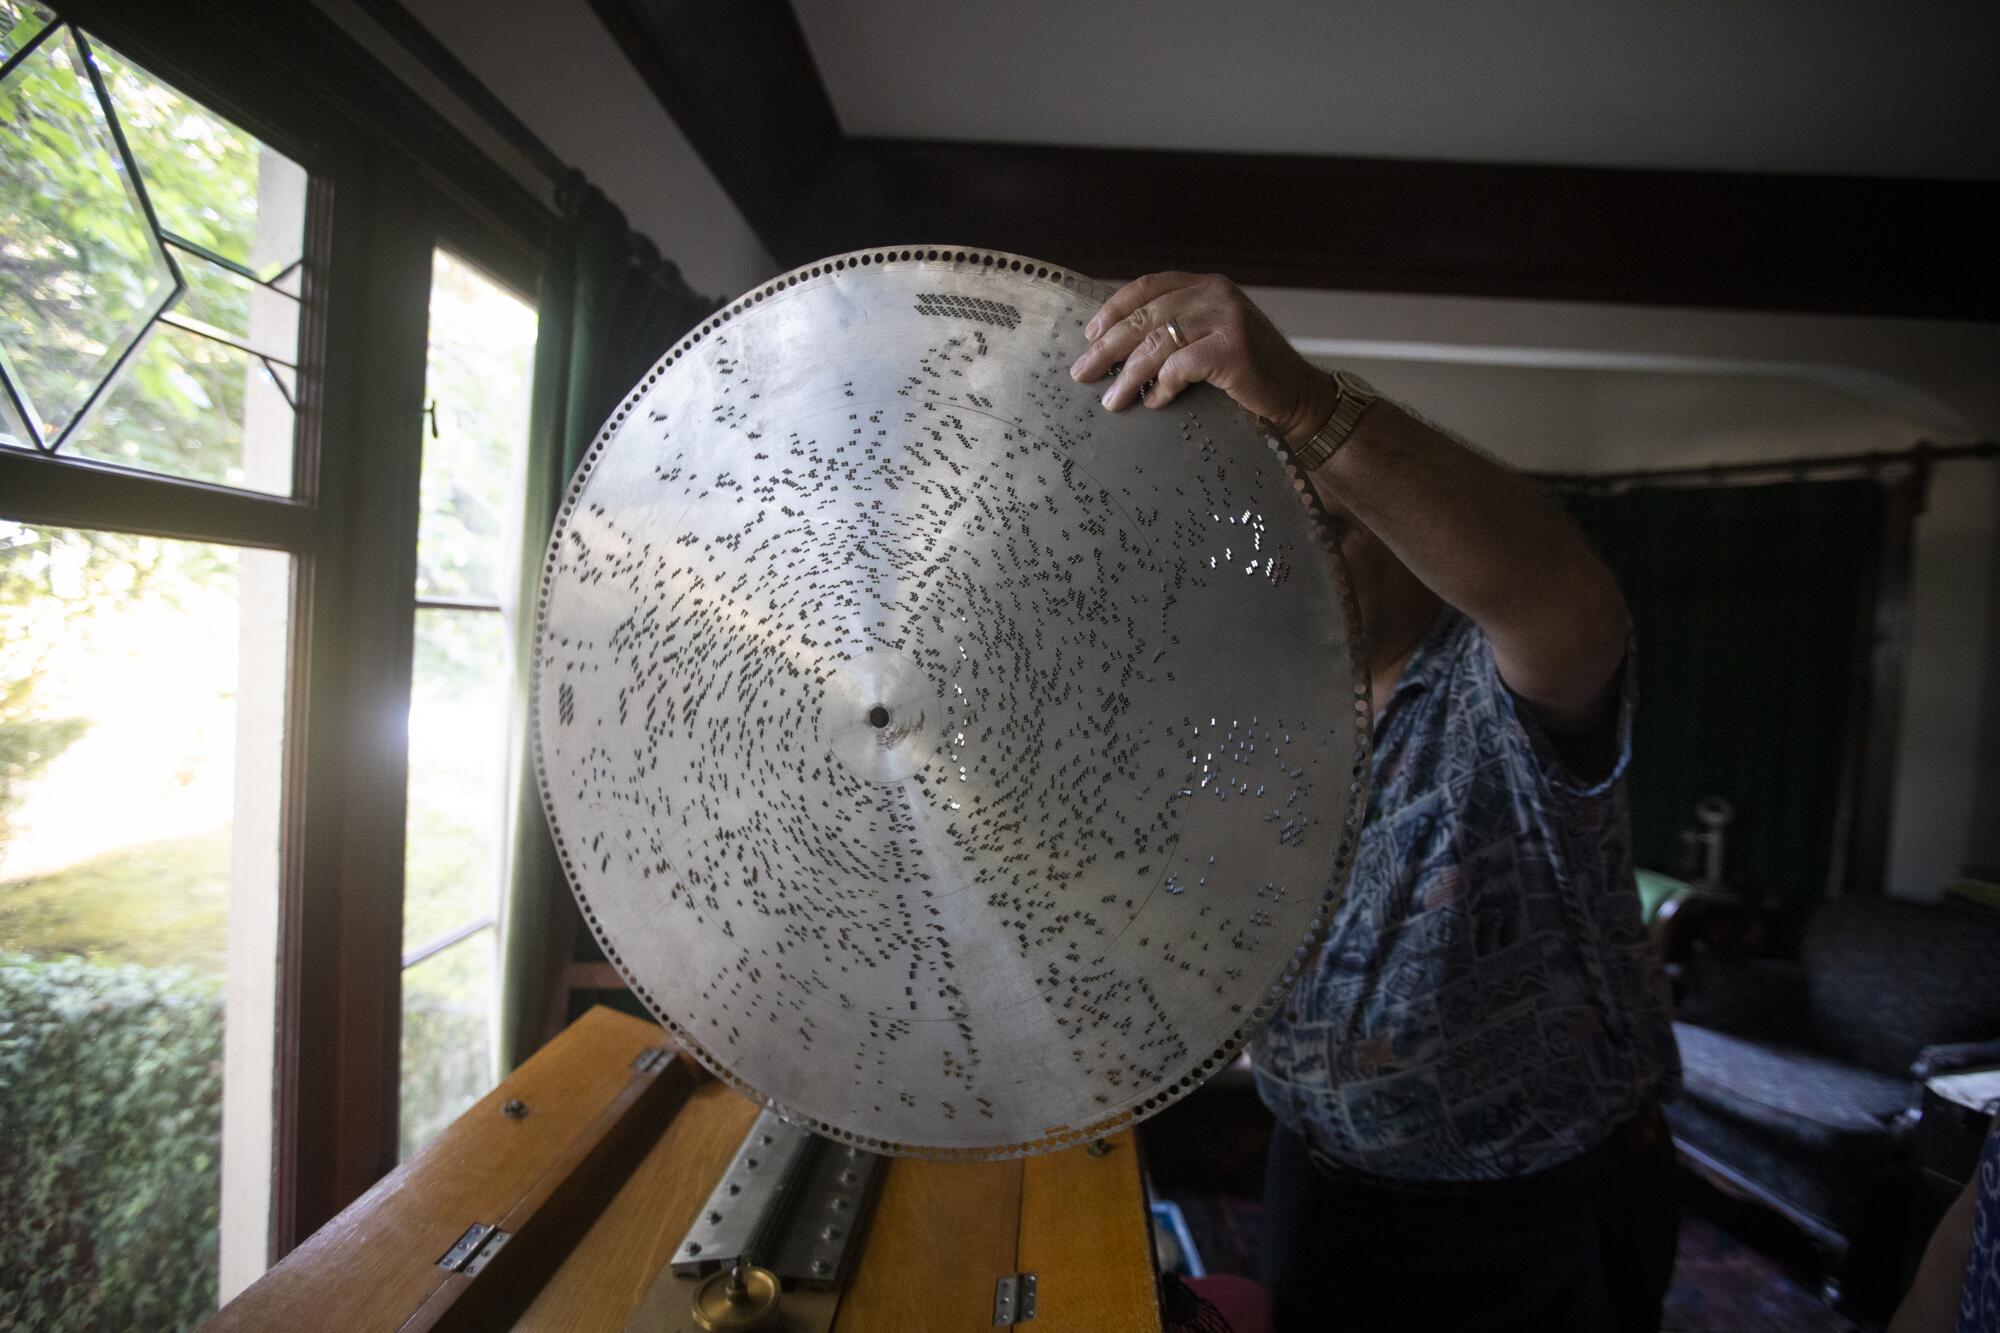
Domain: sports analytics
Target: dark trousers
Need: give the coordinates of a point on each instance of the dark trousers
(1586, 1246)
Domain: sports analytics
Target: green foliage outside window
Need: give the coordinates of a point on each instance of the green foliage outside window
(110, 1166)
(111, 1015)
(179, 406)
(111, 1072)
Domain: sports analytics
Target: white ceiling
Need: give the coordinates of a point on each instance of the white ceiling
(1845, 87)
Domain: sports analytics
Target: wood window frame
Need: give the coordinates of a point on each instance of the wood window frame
(391, 180)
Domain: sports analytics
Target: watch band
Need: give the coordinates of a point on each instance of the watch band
(1356, 396)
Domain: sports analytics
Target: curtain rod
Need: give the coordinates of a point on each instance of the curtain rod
(429, 52)
(573, 191)
(1922, 454)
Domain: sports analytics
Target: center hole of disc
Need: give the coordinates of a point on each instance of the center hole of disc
(878, 716)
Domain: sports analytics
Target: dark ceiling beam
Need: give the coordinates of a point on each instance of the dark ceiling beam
(740, 81)
(1823, 244)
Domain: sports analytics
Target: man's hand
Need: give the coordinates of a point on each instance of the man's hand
(1477, 534)
(1225, 341)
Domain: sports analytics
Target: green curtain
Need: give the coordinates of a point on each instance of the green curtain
(1750, 604)
(609, 308)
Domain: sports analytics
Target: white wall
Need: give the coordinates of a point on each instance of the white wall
(1948, 758)
(556, 67)
(1553, 386)
(1847, 87)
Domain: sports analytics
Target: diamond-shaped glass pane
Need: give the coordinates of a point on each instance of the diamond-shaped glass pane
(190, 406)
(19, 22)
(12, 432)
(211, 182)
(262, 319)
(83, 272)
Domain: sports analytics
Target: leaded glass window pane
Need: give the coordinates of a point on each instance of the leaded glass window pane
(212, 184)
(447, 1038)
(193, 407)
(226, 305)
(458, 765)
(18, 25)
(82, 272)
(109, 361)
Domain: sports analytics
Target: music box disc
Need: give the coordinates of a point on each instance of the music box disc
(953, 765)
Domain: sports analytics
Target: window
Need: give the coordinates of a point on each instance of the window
(220, 233)
(482, 343)
(141, 714)
(143, 686)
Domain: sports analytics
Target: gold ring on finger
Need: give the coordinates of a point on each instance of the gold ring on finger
(1174, 332)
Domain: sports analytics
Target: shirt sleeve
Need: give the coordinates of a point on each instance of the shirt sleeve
(1530, 740)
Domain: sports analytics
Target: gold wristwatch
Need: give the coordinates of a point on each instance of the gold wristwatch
(1356, 396)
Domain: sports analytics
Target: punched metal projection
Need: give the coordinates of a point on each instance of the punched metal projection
(953, 765)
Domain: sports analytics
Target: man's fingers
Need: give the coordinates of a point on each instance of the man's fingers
(1141, 365)
(1105, 352)
(1130, 332)
(1134, 310)
(1239, 353)
(1192, 364)
(1122, 340)
(1130, 297)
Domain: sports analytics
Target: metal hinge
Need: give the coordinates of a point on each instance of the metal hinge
(1014, 1299)
(475, 1249)
(651, 1061)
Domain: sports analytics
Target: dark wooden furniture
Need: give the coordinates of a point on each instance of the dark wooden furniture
(595, 1158)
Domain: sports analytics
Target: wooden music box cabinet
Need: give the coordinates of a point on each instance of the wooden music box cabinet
(564, 1199)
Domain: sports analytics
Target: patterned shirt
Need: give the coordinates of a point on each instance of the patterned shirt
(1979, 1298)
(1487, 1002)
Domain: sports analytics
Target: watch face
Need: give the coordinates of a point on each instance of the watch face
(1350, 382)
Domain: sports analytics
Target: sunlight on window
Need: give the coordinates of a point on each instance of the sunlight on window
(142, 692)
(141, 720)
(482, 343)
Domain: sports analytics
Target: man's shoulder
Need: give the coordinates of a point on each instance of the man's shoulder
(1459, 673)
(1477, 712)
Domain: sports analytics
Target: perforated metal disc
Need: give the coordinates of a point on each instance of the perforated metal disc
(952, 764)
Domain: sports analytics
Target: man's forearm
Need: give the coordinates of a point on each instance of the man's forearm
(1485, 539)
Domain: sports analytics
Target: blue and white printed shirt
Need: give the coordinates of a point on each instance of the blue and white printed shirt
(1487, 1003)
(1979, 1297)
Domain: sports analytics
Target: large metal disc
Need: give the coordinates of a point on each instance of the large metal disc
(956, 766)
